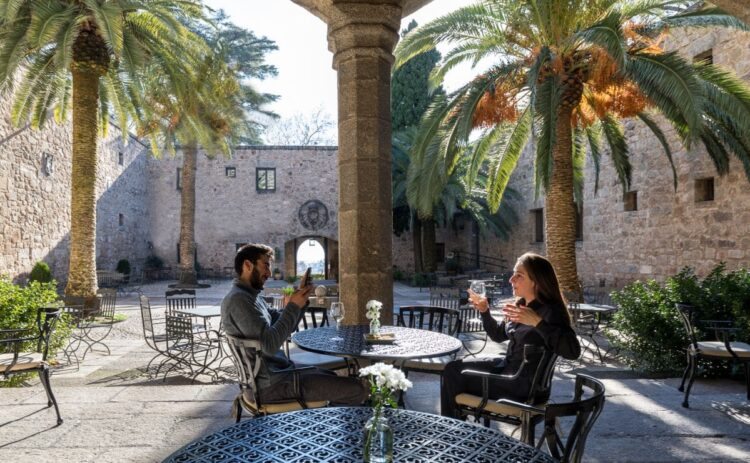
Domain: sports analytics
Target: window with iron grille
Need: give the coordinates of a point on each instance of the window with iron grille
(704, 189)
(537, 218)
(265, 179)
(631, 201)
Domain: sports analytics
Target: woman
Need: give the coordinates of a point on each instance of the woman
(539, 317)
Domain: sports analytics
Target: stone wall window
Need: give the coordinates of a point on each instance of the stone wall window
(579, 223)
(265, 179)
(120, 220)
(537, 219)
(706, 57)
(439, 253)
(120, 158)
(230, 171)
(179, 178)
(631, 201)
(704, 189)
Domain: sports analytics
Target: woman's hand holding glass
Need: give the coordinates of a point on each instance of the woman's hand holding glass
(478, 301)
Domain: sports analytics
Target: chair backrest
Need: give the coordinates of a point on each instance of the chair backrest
(318, 316)
(46, 321)
(179, 329)
(247, 361)
(585, 411)
(439, 319)
(107, 302)
(449, 298)
(146, 318)
(544, 360)
(179, 299)
(687, 315)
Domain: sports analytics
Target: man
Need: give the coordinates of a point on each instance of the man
(245, 314)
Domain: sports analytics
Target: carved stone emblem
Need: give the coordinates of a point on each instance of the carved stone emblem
(313, 215)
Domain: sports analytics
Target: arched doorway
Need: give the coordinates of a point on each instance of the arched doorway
(318, 252)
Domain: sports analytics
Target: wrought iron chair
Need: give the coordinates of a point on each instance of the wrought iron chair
(430, 318)
(189, 347)
(248, 360)
(721, 348)
(16, 359)
(98, 324)
(542, 361)
(157, 342)
(179, 299)
(318, 317)
(585, 411)
(469, 319)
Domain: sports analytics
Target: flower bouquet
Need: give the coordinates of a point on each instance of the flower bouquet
(373, 314)
(385, 380)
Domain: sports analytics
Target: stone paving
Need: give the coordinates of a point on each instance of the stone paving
(115, 413)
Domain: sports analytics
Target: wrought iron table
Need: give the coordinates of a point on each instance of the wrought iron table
(336, 434)
(587, 318)
(348, 341)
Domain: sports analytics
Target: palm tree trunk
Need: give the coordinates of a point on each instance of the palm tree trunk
(187, 215)
(561, 222)
(429, 253)
(82, 270)
(416, 234)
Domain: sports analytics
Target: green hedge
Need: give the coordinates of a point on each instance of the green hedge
(648, 330)
(18, 308)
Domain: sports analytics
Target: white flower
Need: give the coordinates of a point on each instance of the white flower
(373, 309)
(386, 376)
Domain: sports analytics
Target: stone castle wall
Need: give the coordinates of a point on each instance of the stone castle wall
(229, 210)
(670, 229)
(35, 212)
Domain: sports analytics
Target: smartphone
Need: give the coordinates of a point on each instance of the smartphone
(306, 278)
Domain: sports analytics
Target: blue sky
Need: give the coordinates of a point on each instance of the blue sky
(306, 78)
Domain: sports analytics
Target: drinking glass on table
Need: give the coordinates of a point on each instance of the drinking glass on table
(337, 312)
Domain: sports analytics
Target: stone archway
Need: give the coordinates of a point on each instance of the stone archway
(330, 250)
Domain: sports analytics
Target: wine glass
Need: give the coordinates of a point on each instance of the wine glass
(478, 287)
(337, 312)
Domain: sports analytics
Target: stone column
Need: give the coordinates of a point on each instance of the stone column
(362, 35)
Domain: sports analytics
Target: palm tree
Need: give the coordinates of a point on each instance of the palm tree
(456, 198)
(565, 73)
(206, 108)
(57, 54)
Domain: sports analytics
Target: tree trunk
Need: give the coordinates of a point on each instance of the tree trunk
(187, 215)
(561, 219)
(429, 253)
(416, 234)
(82, 270)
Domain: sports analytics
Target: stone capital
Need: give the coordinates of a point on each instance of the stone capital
(357, 27)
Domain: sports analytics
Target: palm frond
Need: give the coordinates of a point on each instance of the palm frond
(607, 34)
(547, 103)
(509, 152)
(656, 130)
(618, 149)
(670, 82)
(593, 135)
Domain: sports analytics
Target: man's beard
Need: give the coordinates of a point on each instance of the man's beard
(256, 282)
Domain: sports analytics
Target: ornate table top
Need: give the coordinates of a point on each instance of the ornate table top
(336, 434)
(348, 341)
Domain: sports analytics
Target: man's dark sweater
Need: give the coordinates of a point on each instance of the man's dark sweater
(245, 314)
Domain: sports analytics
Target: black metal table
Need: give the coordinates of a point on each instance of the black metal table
(587, 318)
(348, 341)
(336, 435)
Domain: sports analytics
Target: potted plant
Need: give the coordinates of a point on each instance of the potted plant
(287, 292)
(276, 274)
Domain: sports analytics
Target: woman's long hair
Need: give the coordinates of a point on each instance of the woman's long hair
(542, 273)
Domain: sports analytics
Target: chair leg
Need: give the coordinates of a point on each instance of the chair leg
(44, 378)
(685, 374)
(693, 362)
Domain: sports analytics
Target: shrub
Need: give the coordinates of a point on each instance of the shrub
(291, 279)
(287, 291)
(420, 280)
(123, 266)
(18, 309)
(648, 324)
(154, 262)
(41, 273)
(398, 275)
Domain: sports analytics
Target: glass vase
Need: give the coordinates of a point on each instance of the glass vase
(378, 439)
(375, 327)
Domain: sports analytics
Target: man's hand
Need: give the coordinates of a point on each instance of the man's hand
(301, 296)
(521, 314)
(480, 303)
